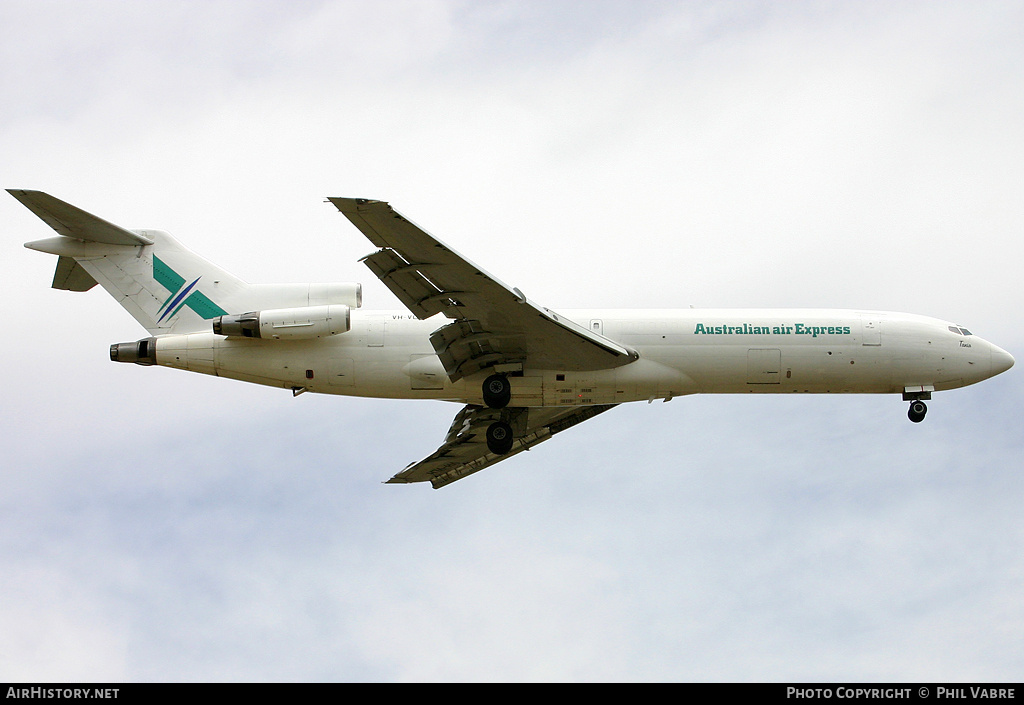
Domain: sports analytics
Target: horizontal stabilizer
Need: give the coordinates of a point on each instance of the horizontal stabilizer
(74, 222)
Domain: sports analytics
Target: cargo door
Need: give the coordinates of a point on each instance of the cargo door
(340, 372)
(763, 366)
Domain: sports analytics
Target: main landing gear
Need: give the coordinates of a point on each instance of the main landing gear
(497, 391)
(917, 411)
(499, 438)
(497, 394)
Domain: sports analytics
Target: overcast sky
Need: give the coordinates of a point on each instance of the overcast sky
(161, 526)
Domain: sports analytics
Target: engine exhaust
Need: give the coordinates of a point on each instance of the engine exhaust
(141, 352)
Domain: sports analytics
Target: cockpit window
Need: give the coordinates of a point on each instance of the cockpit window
(965, 331)
(959, 331)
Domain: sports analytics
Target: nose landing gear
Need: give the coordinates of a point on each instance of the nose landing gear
(917, 395)
(917, 411)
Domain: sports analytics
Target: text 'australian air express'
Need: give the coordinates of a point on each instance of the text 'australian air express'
(522, 371)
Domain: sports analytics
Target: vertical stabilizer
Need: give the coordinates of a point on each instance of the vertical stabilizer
(165, 286)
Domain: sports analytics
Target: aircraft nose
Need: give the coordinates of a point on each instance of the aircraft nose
(1001, 360)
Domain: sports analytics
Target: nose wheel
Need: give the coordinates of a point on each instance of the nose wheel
(917, 411)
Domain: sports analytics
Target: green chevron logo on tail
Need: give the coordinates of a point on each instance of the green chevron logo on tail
(182, 295)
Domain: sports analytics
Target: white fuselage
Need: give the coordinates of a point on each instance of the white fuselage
(688, 351)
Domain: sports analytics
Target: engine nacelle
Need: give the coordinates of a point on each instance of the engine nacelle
(300, 323)
(347, 293)
(141, 352)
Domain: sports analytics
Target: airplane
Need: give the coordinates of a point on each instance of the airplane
(522, 371)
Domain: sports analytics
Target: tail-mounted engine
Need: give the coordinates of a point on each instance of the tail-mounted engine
(300, 323)
(141, 352)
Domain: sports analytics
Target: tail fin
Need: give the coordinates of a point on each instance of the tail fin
(165, 286)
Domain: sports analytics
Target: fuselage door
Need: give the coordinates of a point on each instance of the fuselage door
(764, 366)
(374, 332)
(871, 331)
(340, 372)
(425, 372)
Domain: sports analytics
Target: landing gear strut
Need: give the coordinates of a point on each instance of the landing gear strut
(917, 411)
(497, 391)
(499, 438)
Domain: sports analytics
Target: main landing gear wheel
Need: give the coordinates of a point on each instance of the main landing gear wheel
(499, 438)
(497, 391)
(917, 411)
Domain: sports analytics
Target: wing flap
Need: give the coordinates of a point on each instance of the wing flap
(411, 284)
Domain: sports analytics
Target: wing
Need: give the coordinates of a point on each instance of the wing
(465, 452)
(493, 324)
